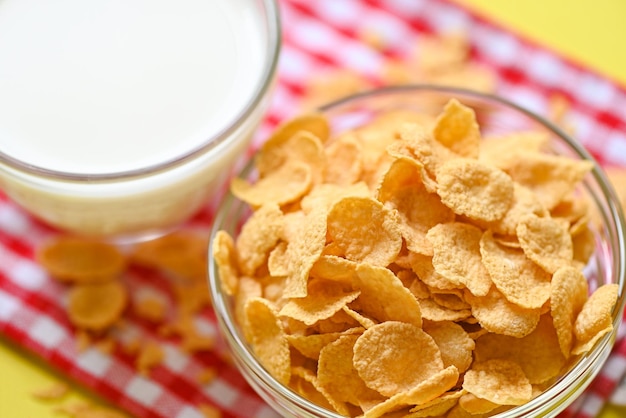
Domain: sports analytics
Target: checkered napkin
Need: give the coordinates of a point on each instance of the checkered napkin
(318, 35)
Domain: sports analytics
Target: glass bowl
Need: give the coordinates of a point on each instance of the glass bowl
(148, 194)
(496, 116)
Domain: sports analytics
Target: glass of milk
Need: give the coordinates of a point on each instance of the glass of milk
(121, 118)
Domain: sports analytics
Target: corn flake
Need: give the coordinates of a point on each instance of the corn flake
(456, 256)
(377, 285)
(258, 237)
(97, 306)
(499, 381)
(365, 230)
(517, 277)
(393, 357)
(457, 129)
(324, 299)
(402, 189)
(268, 338)
(594, 320)
(568, 294)
(71, 259)
(474, 189)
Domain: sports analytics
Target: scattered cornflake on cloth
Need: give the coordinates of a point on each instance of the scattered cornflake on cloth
(55, 392)
(95, 278)
(435, 59)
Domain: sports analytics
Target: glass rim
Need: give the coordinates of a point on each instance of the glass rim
(538, 405)
(272, 23)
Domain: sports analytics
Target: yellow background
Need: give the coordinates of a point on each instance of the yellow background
(589, 32)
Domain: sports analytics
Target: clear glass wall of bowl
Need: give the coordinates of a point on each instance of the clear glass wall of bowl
(496, 117)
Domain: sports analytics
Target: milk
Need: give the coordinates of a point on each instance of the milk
(99, 88)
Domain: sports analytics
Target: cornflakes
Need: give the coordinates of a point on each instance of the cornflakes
(71, 259)
(97, 306)
(431, 272)
(500, 381)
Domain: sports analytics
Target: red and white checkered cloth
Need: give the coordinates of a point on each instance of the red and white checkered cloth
(318, 35)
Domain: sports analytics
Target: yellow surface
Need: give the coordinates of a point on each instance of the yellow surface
(591, 32)
(20, 376)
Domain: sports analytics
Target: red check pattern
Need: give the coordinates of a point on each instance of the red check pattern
(318, 35)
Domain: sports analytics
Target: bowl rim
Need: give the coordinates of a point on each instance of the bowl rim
(593, 358)
(272, 25)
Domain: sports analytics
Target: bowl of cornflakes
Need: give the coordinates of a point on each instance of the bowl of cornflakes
(419, 251)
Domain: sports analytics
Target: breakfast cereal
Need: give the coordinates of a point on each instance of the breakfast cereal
(432, 273)
(71, 259)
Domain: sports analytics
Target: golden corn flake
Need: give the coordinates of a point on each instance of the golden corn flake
(311, 345)
(332, 267)
(337, 375)
(475, 405)
(551, 177)
(150, 355)
(364, 321)
(568, 294)
(496, 314)
(595, 320)
(499, 381)
(546, 241)
(226, 260)
(209, 411)
(402, 189)
(378, 286)
(284, 185)
(457, 129)
(501, 151)
(538, 353)
(423, 266)
(436, 407)
(456, 256)
(433, 311)
(207, 375)
(303, 251)
(150, 308)
(451, 299)
(524, 202)
(313, 124)
(410, 268)
(249, 288)
(278, 260)
(417, 143)
(393, 357)
(191, 297)
(333, 85)
(454, 343)
(518, 278)
(181, 254)
(97, 306)
(308, 385)
(303, 146)
(365, 230)
(425, 391)
(474, 189)
(55, 391)
(326, 195)
(324, 298)
(268, 338)
(258, 237)
(344, 163)
(71, 259)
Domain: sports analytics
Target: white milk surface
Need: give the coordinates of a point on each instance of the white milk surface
(105, 86)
